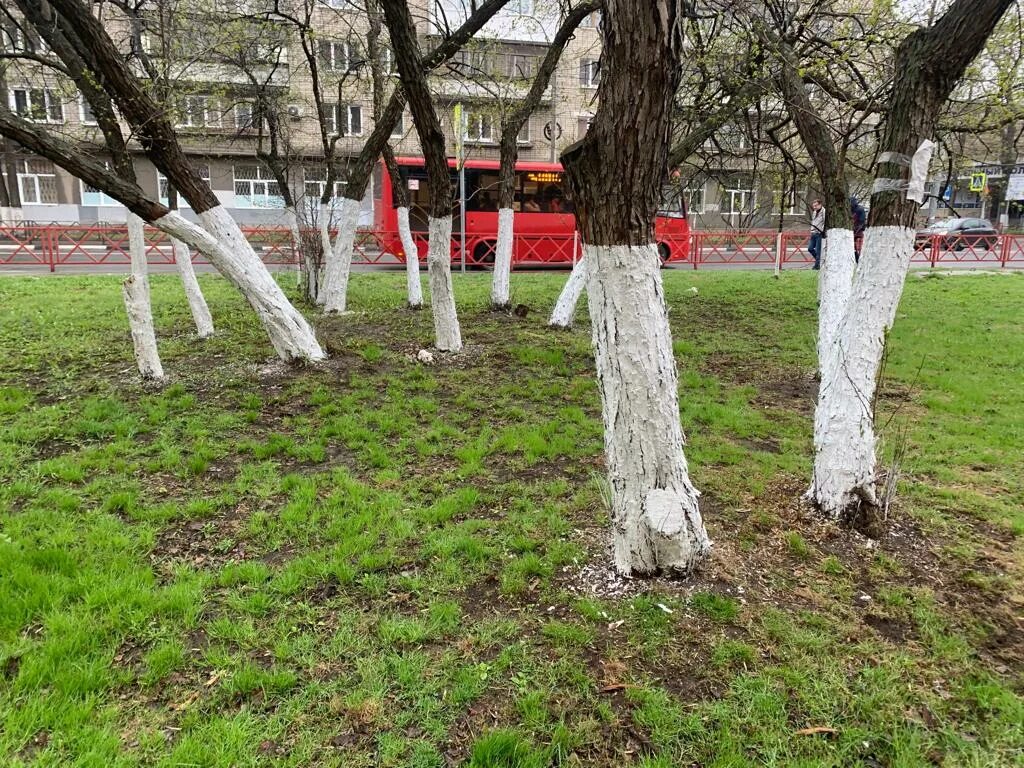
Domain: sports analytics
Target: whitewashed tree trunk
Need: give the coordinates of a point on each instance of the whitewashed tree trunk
(316, 280)
(136, 301)
(835, 281)
(656, 523)
(447, 334)
(500, 285)
(565, 308)
(339, 259)
(193, 293)
(228, 250)
(844, 434)
(414, 290)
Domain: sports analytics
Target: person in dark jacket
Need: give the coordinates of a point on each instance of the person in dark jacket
(817, 232)
(860, 220)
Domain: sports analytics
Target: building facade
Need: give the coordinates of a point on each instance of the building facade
(213, 56)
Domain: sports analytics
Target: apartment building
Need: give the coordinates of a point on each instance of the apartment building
(213, 56)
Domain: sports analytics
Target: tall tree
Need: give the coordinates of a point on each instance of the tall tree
(927, 66)
(616, 174)
(447, 334)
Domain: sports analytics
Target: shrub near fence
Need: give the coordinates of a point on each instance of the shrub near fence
(57, 246)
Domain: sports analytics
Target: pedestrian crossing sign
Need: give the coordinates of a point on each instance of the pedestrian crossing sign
(978, 182)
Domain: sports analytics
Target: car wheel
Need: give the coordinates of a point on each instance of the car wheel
(483, 254)
(664, 253)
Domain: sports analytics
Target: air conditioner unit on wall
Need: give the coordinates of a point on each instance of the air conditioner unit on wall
(295, 111)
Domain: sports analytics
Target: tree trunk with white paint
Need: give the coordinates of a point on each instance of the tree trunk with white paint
(844, 434)
(564, 313)
(136, 301)
(835, 281)
(339, 260)
(402, 30)
(501, 282)
(657, 525)
(226, 247)
(615, 175)
(193, 293)
(413, 288)
(447, 334)
(929, 63)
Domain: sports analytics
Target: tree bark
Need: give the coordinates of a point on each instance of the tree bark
(193, 293)
(616, 174)
(928, 64)
(448, 335)
(137, 303)
(338, 267)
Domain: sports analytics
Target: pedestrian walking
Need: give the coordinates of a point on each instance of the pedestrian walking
(817, 232)
(860, 219)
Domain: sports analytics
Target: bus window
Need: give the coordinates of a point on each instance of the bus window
(481, 190)
(672, 205)
(542, 192)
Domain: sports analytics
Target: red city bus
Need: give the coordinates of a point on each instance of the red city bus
(543, 221)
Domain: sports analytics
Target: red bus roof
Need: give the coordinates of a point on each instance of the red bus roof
(486, 165)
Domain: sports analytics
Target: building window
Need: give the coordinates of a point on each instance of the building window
(315, 179)
(344, 119)
(37, 182)
(789, 202)
(520, 7)
(520, 67)
(96, 197)
(694, 197)
(85, 113)
(590, 73)
(199, 111)
(339, 55)
(246, 118)
(164, 186)
(475, 62)
(524, 133)
(40, 105)
(478, 126)
(398, 131)
(387, 61)
(255, 187)
(16, 40)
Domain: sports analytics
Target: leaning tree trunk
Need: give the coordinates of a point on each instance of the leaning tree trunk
(447, 333)
(193, 293)
(615, 174)
(338, 264)
(413, 288)
(564, 313)
(929, 63)
(137, 303)
(291, 335)
(835, 278)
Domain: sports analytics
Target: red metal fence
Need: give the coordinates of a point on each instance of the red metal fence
(57, 246)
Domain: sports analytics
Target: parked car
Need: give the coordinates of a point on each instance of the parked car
(958, 234)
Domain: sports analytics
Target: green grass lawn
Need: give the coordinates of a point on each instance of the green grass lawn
(378, 563)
